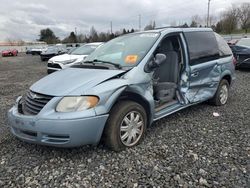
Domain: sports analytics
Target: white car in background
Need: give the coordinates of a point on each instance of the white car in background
(38, 50)
(74, 57)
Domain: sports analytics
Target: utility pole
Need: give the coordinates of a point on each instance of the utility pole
(111, 27)
(75, 30)
(76, 33)
(208, 7)
(139, 22)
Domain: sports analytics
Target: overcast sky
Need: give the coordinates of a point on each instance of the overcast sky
(23, 19)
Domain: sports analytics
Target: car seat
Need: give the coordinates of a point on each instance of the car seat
(166, 75)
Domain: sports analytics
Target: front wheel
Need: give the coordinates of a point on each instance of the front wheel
(221, 96)
(126, 125)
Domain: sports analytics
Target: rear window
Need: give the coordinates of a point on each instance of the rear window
(224, 49)
(202, 47)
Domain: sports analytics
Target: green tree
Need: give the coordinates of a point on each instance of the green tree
(218, 27)
(48, 36)
(72, 38)
(193, 24)
(124, 31)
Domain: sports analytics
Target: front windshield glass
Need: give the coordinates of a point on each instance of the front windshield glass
(125, 51)
(51, 49)
(244, 42)
(84, 50)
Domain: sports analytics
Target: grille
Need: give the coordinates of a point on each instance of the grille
(54, 65)
(34, 102)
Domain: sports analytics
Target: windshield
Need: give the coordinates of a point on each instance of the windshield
(84, 50)
(125, 51)
(51, 49)
(244, 42)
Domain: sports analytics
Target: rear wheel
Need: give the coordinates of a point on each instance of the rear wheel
(221, 96)
(126, 125)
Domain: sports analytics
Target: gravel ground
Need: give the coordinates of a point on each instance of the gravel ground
(191, 148)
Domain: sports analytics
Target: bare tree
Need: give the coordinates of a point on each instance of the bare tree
(150, 26)
(212, 20)
(196, 20)
(20, 42)
(230, 20)
(11, 41)
(244, 16)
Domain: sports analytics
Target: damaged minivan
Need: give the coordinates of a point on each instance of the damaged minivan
(124, 86)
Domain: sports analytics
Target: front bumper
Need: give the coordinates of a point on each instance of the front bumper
(57, 132)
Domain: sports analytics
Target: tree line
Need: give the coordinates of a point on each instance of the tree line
(235, 17)
(48, 36)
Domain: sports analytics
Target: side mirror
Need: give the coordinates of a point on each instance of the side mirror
(155, 62)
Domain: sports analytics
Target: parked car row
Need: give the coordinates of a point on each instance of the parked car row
(52, 51)
(123, 86)
(75, 56)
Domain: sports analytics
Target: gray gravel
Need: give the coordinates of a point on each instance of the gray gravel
(191, 148)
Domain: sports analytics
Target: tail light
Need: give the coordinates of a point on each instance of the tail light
(234, 61)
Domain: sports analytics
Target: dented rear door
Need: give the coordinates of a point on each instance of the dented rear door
(204, 66)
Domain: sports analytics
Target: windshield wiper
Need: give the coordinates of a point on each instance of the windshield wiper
(91, 62)
(108, 62)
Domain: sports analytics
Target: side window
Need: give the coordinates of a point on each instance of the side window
(202, 47)
(224, 49)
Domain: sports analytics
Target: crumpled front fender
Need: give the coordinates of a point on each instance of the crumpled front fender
(107, 92)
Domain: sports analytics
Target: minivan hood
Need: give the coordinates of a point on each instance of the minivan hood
(72, 81)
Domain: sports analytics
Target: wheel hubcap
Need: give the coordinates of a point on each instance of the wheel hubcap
(131, 128)
(223, 94)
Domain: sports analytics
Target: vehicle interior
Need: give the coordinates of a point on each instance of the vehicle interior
(166, 76)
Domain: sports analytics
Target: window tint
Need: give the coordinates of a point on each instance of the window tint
(224, 49)
(202, 47)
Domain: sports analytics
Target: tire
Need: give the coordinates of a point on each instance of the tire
(119, 117)
(218, 99)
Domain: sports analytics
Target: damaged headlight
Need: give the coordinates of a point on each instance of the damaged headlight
(74, 104)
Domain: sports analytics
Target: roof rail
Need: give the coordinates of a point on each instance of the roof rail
(164, 27)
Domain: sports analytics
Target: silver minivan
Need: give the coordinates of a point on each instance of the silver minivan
(124, 86)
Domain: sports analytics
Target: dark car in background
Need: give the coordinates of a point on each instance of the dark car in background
(52, 51)
(241, 51)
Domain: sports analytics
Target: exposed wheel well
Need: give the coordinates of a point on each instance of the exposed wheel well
(136, 98)
(228, 78)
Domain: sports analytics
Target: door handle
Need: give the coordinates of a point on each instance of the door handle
(195, 74)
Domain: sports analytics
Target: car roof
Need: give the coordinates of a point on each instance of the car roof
(177, 29)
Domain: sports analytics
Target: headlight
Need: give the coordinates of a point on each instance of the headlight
(73, 104)
(50, 61)
(68, 61)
